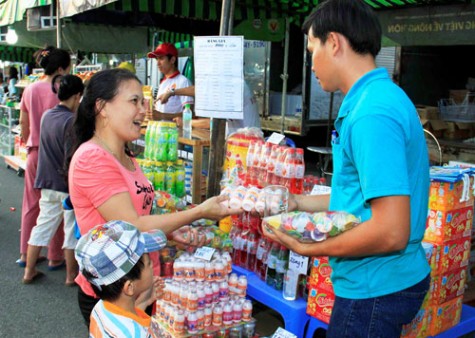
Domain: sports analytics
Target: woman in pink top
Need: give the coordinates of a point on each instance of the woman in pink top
(38, 98)
(105, 181)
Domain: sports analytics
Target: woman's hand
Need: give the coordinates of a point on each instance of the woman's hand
(213, 208)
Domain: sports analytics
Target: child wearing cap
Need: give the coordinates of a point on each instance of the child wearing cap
(114, 258)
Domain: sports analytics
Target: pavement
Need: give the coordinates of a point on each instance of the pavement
(46, 308)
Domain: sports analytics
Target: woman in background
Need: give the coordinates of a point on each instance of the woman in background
(37, 98)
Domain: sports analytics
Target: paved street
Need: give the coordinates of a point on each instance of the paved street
(44, 309)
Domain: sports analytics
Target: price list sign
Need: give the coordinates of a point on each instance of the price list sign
(219, 76)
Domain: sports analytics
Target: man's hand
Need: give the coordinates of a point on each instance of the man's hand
(178, 121)
(163, 98)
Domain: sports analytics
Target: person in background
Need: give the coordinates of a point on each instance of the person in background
(12, 81)
(2, 90)
(127, 65)
(250, 118)
(167, 61)
(51, 179)
(37, 98)
(380, 273)
(115, 259)
(105, 181)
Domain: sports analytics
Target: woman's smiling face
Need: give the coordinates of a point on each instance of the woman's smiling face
(126, 110)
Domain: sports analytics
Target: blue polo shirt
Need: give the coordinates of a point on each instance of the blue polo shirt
(380, 151)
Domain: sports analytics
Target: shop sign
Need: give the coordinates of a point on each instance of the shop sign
(430, 25)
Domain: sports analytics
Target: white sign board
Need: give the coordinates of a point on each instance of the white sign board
(219, 77)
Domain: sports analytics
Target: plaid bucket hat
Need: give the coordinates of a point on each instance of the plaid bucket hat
(109, 251)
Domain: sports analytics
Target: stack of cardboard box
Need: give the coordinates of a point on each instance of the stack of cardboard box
(447, 243)
(320, 290)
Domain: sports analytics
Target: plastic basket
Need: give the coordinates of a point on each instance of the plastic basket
(464, 112)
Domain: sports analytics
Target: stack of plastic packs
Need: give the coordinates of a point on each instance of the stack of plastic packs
(313, 227)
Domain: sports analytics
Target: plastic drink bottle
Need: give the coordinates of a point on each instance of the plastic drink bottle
(291, 279)
(148, 143)
(237, 312)
(201, 319)
(180, 179)
(260, 257)
(172, 142)
(271, 165)
(251, 251)
(247, 311)
(179, 326)
(227, 314)
(288, 171)
(170, 178)
(201, 298)
(237, 196)
(242, 286)
(281, 267)
(297, 183)
(159, 177)
(217, 315)
(223, 290)
(232, 283)
(250, 198)
(187, 117)
(208, 316)
(279, 166)
(162, 142)
(249, 162)
(192, 304)
(271, 264)
(192, 322)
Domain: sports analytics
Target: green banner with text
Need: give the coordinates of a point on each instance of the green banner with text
(430, 25)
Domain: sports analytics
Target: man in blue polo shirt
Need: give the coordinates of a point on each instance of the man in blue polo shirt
(380, 174)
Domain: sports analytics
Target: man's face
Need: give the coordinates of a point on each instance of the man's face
(322, 61)
(165, 64)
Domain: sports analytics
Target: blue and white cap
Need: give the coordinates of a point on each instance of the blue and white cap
(109, 251)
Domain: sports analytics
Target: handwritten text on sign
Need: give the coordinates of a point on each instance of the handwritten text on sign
(298, 263)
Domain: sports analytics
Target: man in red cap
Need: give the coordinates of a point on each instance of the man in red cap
(167, 60)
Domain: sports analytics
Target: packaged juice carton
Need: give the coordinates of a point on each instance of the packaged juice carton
(447, 286)
(320, 272)
(419, 326)
(445, 196)
(445, 316)
(320, 295)
(431, 256)
(443, 226)
(453, 255)
(320, 304)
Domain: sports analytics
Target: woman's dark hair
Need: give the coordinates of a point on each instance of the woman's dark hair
(354, 19)
(69, 85)
(51, 59)
(13, 73)
(102, 87)
(112, 291)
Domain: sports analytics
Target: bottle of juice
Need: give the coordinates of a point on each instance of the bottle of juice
(170, 178)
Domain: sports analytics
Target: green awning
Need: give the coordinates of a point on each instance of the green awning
(14, 10)
(16, 54)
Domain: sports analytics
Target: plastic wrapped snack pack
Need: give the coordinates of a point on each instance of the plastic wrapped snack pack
(312, 227)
